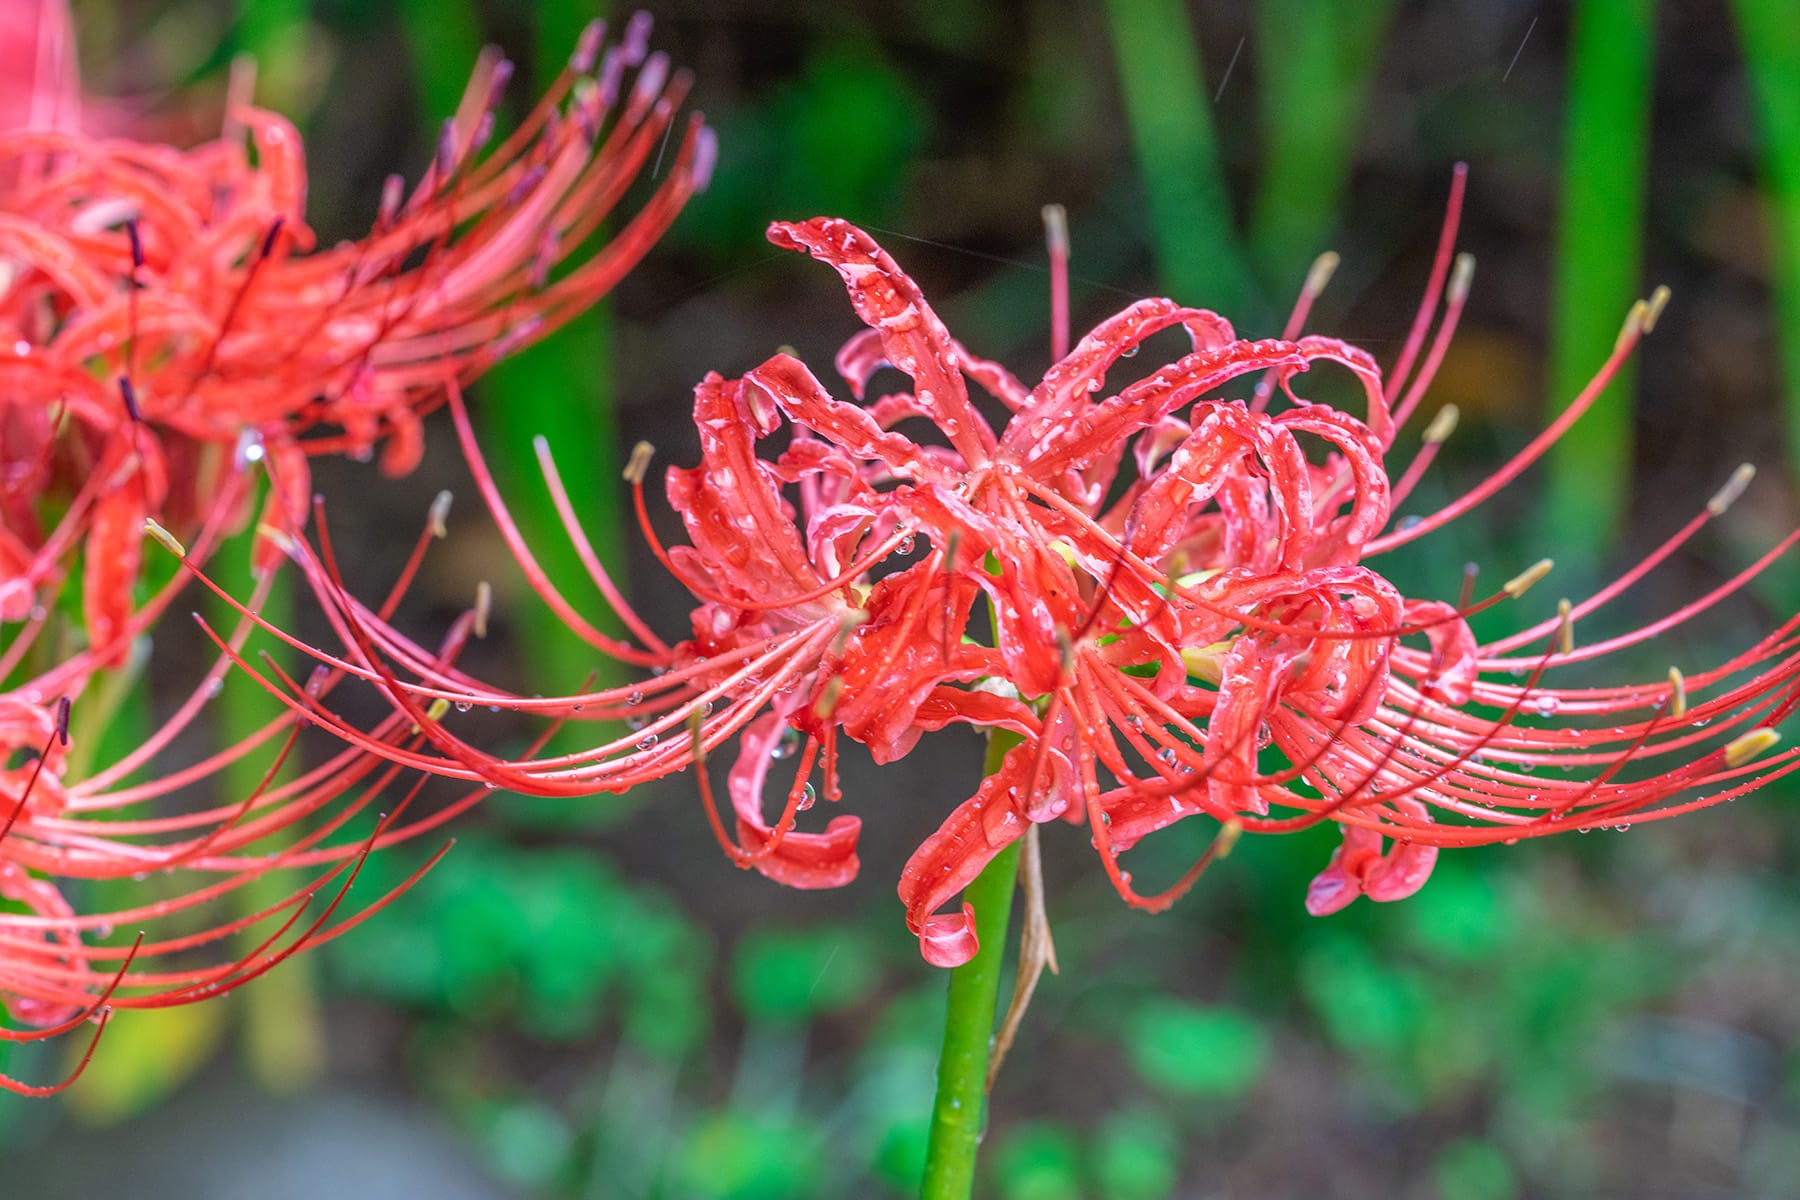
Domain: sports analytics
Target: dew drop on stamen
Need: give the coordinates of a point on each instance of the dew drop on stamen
(635, 698)
(1167, 756)
(808, 797)
(463, 706)
(1546, 705)
(648, 741)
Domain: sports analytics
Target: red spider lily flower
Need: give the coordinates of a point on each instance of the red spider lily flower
(164, 317)
(65, 830)
(1185, 622)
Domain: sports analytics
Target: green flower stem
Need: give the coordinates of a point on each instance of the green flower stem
(960, 1111)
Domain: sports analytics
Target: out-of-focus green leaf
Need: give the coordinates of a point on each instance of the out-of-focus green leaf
(788, 975)
(1170, 114)
(1039, 1160)
(1473, 1169)
(1195, 1051)
(1314, 64)
(147, 1054)
(1136, 1156)
(526, 1141)
(738, 1156)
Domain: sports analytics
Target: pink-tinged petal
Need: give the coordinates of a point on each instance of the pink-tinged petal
(1455, 655)
(801, 860)
(951, 858)
(114, 553)
(1069, 385)
(859, 358)
(1102, 429)
(40, 85)
(948, 939)
(1401, 872)
(1334, 888)
(913, 339)
(784, 383)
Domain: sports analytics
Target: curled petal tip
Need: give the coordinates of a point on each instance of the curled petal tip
(948, 939)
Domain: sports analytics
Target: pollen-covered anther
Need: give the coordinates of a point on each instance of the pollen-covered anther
(1521, 583)
(639, 463)
(169, 541)
(1653, 308)
(1056, 228)
(695, 718)
(1227, 838)
(1462, 274)
(440, 514)
(848, 623)
(484, 607)
(1728, 494)
(1206, 662)
(1749, 744)
(1319, 274)
(1565, 628)
(829, 697)
(1677, 693)
(1442, 425)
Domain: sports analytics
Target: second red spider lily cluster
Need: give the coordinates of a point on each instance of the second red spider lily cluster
(1163, 589)
(167, 333)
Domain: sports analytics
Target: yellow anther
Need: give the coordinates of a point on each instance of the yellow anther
(1323, 268)
(639, 463)
(170, 541)
(1227, 838)
(1659, 300)
(484, 605)
(1442, 425)
(440, 513)
(1565, 633)
(1206, 662)
(1749, 744)
(1677, 693)
(1056, 228)
(1734, 487)
(829, 695)
(1521, 583)
(1461, 275)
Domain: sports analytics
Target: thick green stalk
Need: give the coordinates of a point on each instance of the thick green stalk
(1771, 40)
(1315, 59)
(960, 1111)
(1598, 256)
(1170, 116)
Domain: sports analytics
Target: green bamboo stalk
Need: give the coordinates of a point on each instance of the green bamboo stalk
(959, 1113)
(1598, 265)
(1315, 60)
(1771, 38)
(1170, 115)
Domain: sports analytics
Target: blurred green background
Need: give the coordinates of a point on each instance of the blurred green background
(589, 1001)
